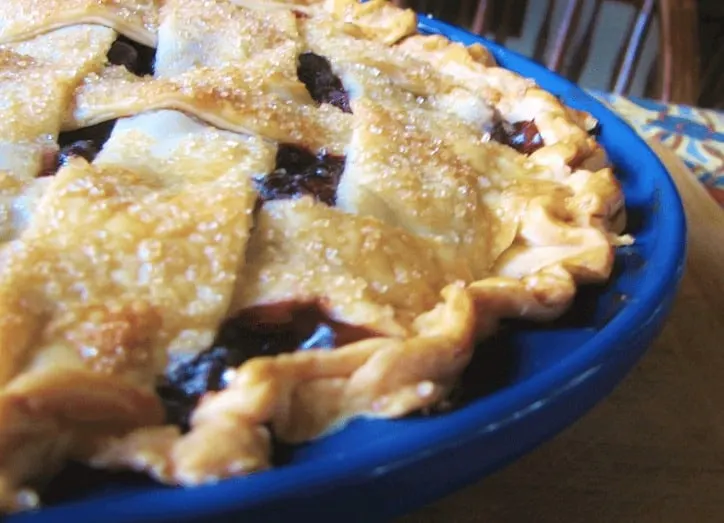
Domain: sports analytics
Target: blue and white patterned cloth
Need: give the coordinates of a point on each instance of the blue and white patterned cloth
(695, 135)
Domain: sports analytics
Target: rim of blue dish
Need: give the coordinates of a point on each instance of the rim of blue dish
(483, 415)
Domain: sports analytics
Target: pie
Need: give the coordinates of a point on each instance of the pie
(228, 221)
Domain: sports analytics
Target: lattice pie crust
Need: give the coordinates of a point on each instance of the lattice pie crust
(467, 195)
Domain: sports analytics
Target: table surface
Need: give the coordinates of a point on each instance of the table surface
(653, 451)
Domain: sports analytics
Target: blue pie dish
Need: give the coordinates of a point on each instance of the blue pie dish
(523, 387)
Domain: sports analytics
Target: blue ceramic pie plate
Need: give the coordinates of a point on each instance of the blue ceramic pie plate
(522, 388)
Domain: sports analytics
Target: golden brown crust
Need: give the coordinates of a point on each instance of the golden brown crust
(250, 101)
(218, 35)
(25, 19)
(359, 270)
(564, 131)
(111, 269)
(18, 200)
(373, 20)
(252, 88)
(42, 423)
(402, 168)
(380, 377)
(37, 79)
(375, 61)
(115, 271)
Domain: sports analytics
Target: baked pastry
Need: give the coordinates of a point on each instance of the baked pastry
(226, 219)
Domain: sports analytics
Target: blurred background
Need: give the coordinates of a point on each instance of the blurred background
(669, 50)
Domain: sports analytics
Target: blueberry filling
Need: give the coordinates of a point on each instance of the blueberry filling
(315, 72)
(96, 135)
(85, 143)
(298, 172)
(239, 340)
(84, 148)
(135, 57)
(524, 137)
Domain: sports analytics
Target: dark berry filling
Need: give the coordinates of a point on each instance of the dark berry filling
(315, 72)
(239, 340)
(86, 143)
(298, 172)
(84, 148)
(135, 57)
(524, 137)
(96, 135)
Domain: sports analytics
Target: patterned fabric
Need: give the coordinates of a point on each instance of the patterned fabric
(696, 135)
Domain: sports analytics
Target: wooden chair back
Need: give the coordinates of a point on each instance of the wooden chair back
(711, 38)
(676, 74)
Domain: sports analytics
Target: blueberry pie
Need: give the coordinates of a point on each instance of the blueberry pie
(224, 222)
